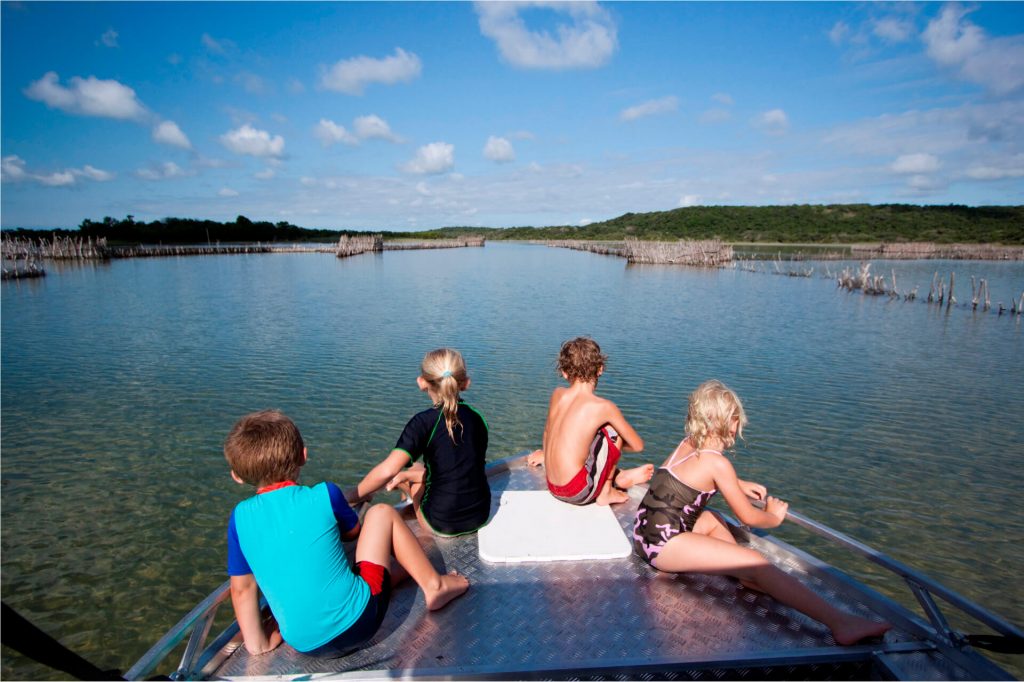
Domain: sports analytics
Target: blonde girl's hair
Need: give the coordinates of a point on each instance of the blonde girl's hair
(445, 371)
(712, 408)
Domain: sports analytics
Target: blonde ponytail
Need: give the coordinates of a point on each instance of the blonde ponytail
(445, 371)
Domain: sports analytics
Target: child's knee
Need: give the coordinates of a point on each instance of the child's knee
(380, 512)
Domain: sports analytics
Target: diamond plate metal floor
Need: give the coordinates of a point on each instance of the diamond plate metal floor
(593, 619)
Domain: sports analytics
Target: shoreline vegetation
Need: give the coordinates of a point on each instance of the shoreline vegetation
(705, 236)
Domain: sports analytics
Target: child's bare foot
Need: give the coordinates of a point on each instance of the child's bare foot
(448, 587)
(535, 458)
(853, 629)
(610, 495)
(634, 476)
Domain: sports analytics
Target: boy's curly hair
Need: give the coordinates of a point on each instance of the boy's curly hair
(265, 447)
(581, 359)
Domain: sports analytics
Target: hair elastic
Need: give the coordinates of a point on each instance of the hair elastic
(446, 373)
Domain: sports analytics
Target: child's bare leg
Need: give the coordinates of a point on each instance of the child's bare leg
(635, 476)
(696, 553)
(385, 532)
(610, 495)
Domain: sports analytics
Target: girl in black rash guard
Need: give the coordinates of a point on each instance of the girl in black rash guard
(449, 490)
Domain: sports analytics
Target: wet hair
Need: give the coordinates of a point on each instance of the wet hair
(445, 371)
(265, 447)
(712, 408)
(581, 359)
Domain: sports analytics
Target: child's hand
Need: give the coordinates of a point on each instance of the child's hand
(535, 458)
(397, 481)
(755, 490)
(776, 508)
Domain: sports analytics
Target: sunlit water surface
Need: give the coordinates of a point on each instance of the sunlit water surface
(896, 422)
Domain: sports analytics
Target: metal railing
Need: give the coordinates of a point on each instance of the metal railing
(923, 588)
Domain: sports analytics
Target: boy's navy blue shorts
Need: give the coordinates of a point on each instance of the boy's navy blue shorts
(366, 626)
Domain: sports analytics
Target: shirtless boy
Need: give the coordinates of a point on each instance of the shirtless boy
(585, 434)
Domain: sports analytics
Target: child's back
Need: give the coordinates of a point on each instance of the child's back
(289, 538)
(585, 434)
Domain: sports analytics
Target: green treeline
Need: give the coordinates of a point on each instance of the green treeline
(834, 224)
(804, 224)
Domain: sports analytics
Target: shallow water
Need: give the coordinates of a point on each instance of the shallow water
(896, 422)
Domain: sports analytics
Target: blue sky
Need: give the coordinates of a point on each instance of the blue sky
(407, 116)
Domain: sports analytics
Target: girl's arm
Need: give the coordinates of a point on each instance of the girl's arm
(751, 489)
(631, 440)
(735, 495)
(246, 601)
(380, 475)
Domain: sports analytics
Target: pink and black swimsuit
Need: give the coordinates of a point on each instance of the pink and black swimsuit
(669, 508)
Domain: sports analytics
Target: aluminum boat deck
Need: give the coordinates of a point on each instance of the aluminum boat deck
(599, 619)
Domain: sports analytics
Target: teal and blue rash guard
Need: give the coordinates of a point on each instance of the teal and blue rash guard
(289, 539)
(457, 498)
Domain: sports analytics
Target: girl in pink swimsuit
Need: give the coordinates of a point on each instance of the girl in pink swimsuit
(674, 533)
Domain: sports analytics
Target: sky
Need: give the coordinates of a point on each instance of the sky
(410, 116)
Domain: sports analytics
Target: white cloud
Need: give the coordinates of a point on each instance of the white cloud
(220, 47)
(351, 76)
(87, 97)
(94, 173)
(164, 171)
(252, 142)
(723, 98)
(329, 132)
(715, 116)
(650, 108)
(893, 30)
(1012, 167)
(295, 86)
(915, 163)
(174, 59)
(374, 127)
(589, 41)
(772, 122)
(265, 174)
(499, 149)
(252, 83)
(12, 169)
(168, 132)
(838, 32)
(583, 222)
(58, 179)
(689, 200)
(109, 38)
(956, 43)
(227, 192)
(431, 159)
(523, 135)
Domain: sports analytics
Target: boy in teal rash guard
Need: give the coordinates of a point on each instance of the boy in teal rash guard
(287, 541)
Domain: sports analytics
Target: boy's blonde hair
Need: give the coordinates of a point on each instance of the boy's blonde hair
(265, 447)
(445, 371)
(581, 359)
(712, 408)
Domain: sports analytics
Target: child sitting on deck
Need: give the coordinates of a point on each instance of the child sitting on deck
(584, 435)
(674, 533)
(450, 490)
(287, 541)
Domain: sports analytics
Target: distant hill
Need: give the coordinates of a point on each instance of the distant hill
(803, 224)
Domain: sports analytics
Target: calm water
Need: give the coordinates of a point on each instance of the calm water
(896, 422)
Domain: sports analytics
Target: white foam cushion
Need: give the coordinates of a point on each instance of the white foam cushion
(531, 525)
